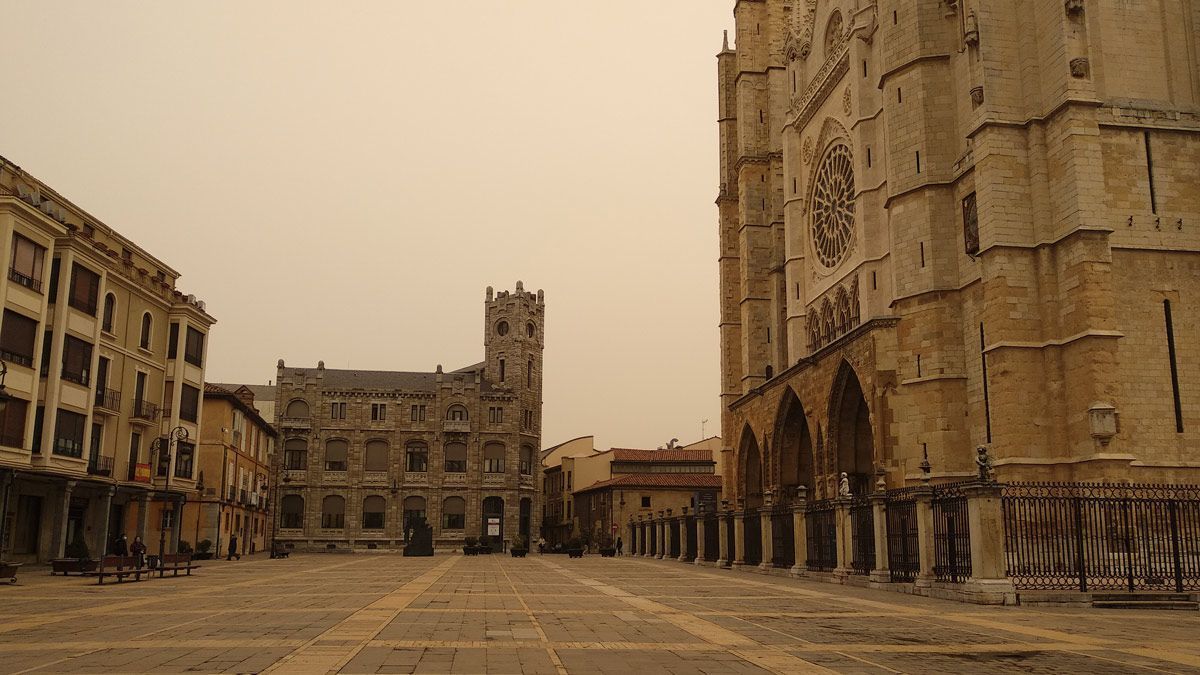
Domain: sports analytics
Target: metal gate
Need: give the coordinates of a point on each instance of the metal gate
(712, 538)
(1091, 536)
(862, 534)
(820, 523)
(752, 535)
(951, 534)
(783, 538)
(904, 559)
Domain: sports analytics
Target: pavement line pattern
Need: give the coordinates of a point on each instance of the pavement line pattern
(537, 626)
(771, 659)
(334, 648)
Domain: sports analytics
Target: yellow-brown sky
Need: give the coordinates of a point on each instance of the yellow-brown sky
(341, 180)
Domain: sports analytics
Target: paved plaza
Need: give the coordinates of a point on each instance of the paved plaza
(383, 613)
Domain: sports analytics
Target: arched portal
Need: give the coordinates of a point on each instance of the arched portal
(793, 442)
(752, 479)
(850, 431)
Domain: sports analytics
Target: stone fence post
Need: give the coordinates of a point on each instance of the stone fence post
(800, 532)
(989, 583)
(724, 522)
(923, 496)
(766, 535)
(698, 523)
(880, 574)
(845, 540)
(739, 535)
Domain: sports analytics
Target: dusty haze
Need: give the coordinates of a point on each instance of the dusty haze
(341, 181)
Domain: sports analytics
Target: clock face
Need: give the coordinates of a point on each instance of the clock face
(833, 207)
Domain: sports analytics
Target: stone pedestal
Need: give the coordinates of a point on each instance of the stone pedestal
(989, 582)
(924, 508)
(698, 523)
(881, 573)
(845, 541)
(724, 555)
(767, 540)
(800, 538)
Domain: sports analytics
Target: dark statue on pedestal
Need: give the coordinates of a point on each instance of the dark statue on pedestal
(419, 536)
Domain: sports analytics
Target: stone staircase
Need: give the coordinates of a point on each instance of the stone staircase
(1177, 601)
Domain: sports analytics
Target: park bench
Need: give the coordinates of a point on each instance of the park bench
(176, 563)
(119, 566)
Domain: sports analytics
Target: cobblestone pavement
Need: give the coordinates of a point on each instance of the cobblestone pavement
(381, 613)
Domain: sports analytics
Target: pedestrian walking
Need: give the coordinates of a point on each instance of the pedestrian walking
(233, 548)
(138, 549)
(121, 545)
(620, 545)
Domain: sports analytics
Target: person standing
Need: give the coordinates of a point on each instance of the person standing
(620, 545)
(138, 549)
(121, 546)
(233, 548)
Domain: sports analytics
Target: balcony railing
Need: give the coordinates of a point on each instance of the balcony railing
(463, 426)
(109, 399)
(100, 465)
(19, 359)
(10, 439)
(25, 280)
(145, 410)
(245, 497)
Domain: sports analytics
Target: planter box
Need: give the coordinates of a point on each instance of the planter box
(518, 552)
(608, 552)
(8, 570)
(575, 553)
(470, 550)
(202, 556)
(65, 566)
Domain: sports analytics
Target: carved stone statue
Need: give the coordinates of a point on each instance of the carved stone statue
(420, 538)
(984, 461)
(844, 485)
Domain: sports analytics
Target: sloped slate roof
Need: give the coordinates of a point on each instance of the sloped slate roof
(383, 379)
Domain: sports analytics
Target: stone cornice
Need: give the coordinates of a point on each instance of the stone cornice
(818, 90)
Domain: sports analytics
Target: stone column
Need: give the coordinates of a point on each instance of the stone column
(662, 535)
(766, 538)
(989, 583)
(60, 540)
(800, 532)
(104, 533)
(924, 508)
(845, 541)
(698, 523)
(683, 535)
(739, 535)
(724, 555)
(879, 518)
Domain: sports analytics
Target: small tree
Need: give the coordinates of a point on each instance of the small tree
(78, 549)
(184, 546)
(204, 546)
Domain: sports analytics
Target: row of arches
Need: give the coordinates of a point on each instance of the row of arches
(377, 456)
(373, 514)
(834, 319)
(298, 408)
(801, 452)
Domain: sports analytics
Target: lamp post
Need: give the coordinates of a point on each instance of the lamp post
(162, 453)
(278, 511)
(199, 508)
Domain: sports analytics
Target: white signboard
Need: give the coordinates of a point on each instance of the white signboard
(493, 524)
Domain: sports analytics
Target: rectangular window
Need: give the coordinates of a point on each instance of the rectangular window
(378, 412)
(454, 521)
(39, 422)
(493, 465)
(373, 520)
(27, 261)
(173, 341)
(168, 519)
(501, 370)
(193, 351)
(418, 413)
(189, 403)
(135, 449)
(645, 502)
(54, 267)
(76, 361)
(295, 460)
(337, 411)
(17, 337)
(496, 415)
(68, 434)
(12, 423)
(529, 373)
(85, 289)
(185, 457)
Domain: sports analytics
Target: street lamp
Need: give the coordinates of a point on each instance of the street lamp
(199, 507)
(162, 453)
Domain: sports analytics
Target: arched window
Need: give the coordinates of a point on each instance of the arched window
(414, 511)
(454, 513)
(833, 33)
(493, 458)
(333, 512)
(110, 311)
(374, 512)
(147, 322)
(827, 331)
(295, 454)
(297, 408)
(526, 463)
(813, 325)
(457, 413)
(335, 455)
(416, 457)
(456, 458)
(292, 512)
(377, 456)
(842, 316)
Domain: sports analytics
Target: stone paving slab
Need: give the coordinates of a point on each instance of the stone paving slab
(549, 614)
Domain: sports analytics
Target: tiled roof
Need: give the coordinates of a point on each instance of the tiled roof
(262, 392)
(673, 455)
(227, 392)
(659, 480)
(382, 379)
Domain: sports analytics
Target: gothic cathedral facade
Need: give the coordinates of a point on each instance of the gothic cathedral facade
(947, 224)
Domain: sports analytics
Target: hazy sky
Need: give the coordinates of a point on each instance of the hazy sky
(342, 180)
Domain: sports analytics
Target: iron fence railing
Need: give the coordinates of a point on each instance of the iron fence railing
(820, 524)
(951, 534)
(862, 535)
(712, 539)
(904, 559)
(752, 527)
(783, 538)
(1091, 536)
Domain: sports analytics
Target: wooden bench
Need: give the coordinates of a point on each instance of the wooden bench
(120, 567)
(176, 563)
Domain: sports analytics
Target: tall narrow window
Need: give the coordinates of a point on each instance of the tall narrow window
(17, 337)
(147, 326)
(27, 261)
(173, 340)
(1150, 172)
(987, 408)
(970, 225)
(76, 361)
(189, 403)
(1174, 366)
(501, 370)
(529, 372)
(85, 289)
(110, 310)
(193, 348)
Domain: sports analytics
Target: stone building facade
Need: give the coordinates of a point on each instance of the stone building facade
(103, 356)
(947, 224)
(363, 452)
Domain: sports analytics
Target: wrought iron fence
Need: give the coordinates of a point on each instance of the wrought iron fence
(752, 529)
(1091, 536)
(862, 534)
(673, 538)
(712, 539)
(783, 538)
(951, 534)
(820, 524)
(904, 558)
(730, 545)
(689, 538)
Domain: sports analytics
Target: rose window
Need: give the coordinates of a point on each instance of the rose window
(833, 207)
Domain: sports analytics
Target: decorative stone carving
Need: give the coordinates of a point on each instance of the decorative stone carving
(983, 461)
(977, 96)
(1102, 418)
(833, 206)
(807, 151)
(1079, 67)
(1074, 8)
(844, 486)
(846, 101)
(971, 30)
